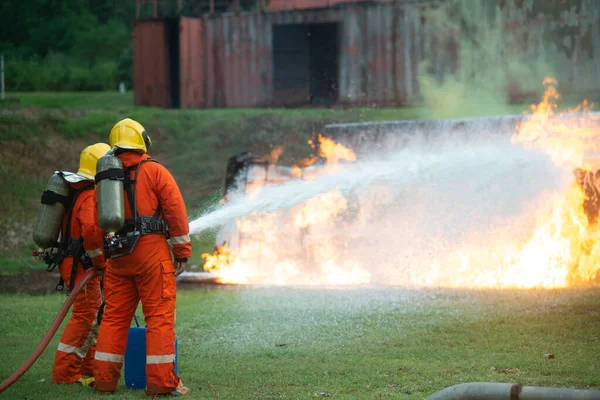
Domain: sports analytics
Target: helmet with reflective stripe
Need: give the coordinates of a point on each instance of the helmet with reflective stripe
(89, 157)
(131, 135)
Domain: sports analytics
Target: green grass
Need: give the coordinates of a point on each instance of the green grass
(76, 100)
(12, 265)
(267, 343)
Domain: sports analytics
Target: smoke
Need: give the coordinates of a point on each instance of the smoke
(489, 74)
(449, 163)
(395, 217)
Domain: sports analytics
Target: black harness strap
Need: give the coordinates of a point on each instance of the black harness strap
(111, 173)
(51, 198)
(137, 225)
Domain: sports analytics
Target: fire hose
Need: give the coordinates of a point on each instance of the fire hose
(48, 336)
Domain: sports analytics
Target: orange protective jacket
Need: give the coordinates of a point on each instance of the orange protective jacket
(162, 190)
(84, 224)
(77, 344)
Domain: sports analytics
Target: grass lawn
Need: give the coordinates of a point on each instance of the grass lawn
(269, 342)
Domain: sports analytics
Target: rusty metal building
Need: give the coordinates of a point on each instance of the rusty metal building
(318, 52)
(355, 53)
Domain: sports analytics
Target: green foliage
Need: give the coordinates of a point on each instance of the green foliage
(124, 73)
(66, 45)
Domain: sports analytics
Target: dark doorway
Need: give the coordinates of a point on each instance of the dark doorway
(290, 65)
(172, 40)
(305, 64)
(324, 56)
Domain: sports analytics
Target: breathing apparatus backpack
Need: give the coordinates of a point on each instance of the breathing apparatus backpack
(57, 200)
(123, 234)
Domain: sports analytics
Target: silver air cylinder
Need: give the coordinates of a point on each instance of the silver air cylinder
(50, 217)
(111, 205)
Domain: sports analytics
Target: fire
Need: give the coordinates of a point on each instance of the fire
(555, 256)
(320, 208)
(274, 155)
(332, 151)
(563, 137)
(266, 257)
(312, 244)
(564, 247)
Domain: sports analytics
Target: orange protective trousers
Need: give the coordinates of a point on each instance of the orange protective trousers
(152, 282)
(77, 347)
(75, 353)
(146, 275)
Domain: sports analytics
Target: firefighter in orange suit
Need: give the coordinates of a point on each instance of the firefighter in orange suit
(82, 241)
(143, 270)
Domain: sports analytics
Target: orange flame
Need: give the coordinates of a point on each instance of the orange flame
(332, 151)
(274, 155)
(563, 249)
(564, 138)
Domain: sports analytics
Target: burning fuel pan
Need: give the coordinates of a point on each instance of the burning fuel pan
(198, 277)
(314, 241)
(368, 137)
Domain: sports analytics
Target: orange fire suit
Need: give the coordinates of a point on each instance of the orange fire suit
(147, 274)
(77, 344)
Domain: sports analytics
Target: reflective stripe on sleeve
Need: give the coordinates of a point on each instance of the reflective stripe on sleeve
(164, 359)
(66, 348)
(94, 253)
(110, 357)
(180, 239)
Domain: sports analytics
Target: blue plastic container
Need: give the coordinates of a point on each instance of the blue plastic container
(135, 358)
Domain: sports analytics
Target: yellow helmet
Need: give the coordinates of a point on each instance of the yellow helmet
(131, 135)
(89, 157)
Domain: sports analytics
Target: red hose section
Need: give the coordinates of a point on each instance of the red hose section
(46, 339)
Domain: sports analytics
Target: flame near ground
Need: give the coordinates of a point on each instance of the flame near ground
(333, 238)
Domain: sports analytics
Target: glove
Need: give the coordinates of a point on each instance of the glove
(180, 266)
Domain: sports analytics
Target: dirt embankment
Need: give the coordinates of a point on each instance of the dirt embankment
(41, 283)
(30, 282)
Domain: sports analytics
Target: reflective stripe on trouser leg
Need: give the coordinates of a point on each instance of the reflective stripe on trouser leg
(164, 359)
(69, 354)
(109, 357)
(66, 348)
(109, 365)
(121, 301)
(158, 292)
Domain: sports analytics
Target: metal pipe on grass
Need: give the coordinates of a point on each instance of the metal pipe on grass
(509, 391)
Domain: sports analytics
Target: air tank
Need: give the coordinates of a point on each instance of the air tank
(111, 203)
(50, 217)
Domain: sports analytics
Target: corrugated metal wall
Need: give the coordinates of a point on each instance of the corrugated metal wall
(237, 61)
(239, 55)
(227, 61)
(151, 64)
(382, 46)
(191, 63)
